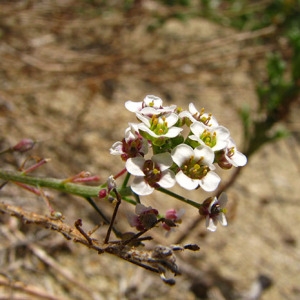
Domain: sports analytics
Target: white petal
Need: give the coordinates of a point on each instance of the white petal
(219, 145)
(134, 127)
(116, 148)
(167, 180)
(150, 100)
(150, 111)
(143, 118)
(186, 182)
(171, 119)
(222, 200)
(168, 109)
(181, 153)
(207, 153)
(186, 114)
(193, 109)
(140, 187)
(173, 132)
(222, 219)
(195, 138)
(144, 127)
(210, 225)
(222, 132)
(133, 106)
(164, 160)
(210, 182)
(238, 159)
(135, 166)
(197, 128)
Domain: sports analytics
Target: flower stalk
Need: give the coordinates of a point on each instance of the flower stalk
(181, 198)
(57, 184)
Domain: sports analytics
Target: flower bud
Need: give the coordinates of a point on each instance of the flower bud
(102, 193)
(24, 145)
(111, 183)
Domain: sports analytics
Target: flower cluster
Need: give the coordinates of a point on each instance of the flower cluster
(189, 161)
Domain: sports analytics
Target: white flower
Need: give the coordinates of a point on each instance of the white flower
(233, 156)
(214, 137)
(151, 174)
(213, 209)
(149, 101)
(195, 167)
(151, 105)
(132, 145)
(159, 126)
(194, 115)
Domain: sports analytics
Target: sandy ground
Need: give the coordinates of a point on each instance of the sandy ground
(66, 71)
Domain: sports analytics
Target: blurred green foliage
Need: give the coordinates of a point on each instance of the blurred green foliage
(280, 86)
(176, 2)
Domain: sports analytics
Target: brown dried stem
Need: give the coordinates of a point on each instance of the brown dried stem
(145, 259)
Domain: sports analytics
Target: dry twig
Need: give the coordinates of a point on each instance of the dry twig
(159, 260)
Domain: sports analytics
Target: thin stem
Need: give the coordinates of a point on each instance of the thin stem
(120, 173)
(129, 200)
(105, 219)
(181, 198)
(84, 191)
(78, 225)
(137, 198)
(113, 216)
(57, 184)
(137, 235)
(125, 182)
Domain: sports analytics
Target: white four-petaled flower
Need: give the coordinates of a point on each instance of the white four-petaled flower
(194, 115)
(233, 156)
(214, 137)
(216, 211)
(195, 167)
(151, 105)
(159, 126)
(132, 145)
(151, 174)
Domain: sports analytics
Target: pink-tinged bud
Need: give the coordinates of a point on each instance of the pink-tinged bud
(37, 165)
(171, 214)
(173, 217)
(24, 145)
(102, 193)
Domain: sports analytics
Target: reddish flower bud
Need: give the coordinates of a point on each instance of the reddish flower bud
(24, 145)
(102, 193)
